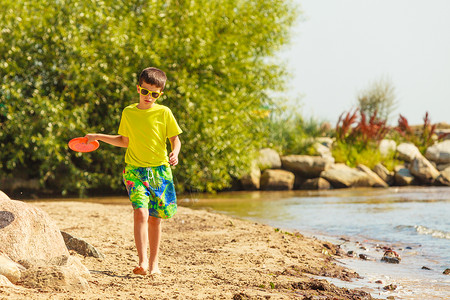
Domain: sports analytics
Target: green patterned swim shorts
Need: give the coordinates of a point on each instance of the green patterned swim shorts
(151, 188)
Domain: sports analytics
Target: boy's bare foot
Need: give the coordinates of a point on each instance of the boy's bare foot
(155, 272)
(154, 269)
(140, 271)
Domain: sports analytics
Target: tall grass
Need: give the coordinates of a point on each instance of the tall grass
(293, 134)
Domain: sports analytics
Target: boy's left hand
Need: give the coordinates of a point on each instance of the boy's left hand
(173, 159)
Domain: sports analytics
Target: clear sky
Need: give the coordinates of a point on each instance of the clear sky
(342, 46)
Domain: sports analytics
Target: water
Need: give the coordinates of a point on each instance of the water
(413, 221)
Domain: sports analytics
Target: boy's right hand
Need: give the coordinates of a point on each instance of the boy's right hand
(91, 137)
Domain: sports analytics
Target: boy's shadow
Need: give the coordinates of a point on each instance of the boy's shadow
(111, 274)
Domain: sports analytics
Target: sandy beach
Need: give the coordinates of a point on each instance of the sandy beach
(203, 255)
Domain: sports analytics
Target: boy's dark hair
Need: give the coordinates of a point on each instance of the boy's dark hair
(153, 76)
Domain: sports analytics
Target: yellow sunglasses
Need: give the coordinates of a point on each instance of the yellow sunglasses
(145, 92)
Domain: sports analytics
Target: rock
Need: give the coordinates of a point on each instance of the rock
(364, 257)
(342, 176)
(387, 146)
(316, 184)
(10, 269)
(379, 281)
(439, 153)
(446, 271)
(407, 152)
(3, 196)
(403, 176)
(5, 282)
(444, 177)
(390, 287)
(269, 159)
(391, 256)
(28, 236)
(305, 165)
(325, 141)
(277, 180)
(324, 152)
(442, 167)
(425, 268)
(28, 232)
(80, 246)
(299, 181)
(384, 173)
(374, 179)
(251, 181)
(422, 169)
(442, 181)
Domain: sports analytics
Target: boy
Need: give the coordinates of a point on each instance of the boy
(143, 130)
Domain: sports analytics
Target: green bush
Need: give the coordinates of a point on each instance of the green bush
(358, 138)
(70, 67)
(422, 136)
(368, 155)
(290, 133)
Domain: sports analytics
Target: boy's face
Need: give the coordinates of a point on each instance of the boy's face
(147, 101)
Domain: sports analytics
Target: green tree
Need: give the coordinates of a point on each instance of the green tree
(70, 67)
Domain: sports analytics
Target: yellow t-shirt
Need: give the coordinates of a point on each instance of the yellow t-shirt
(148, 130)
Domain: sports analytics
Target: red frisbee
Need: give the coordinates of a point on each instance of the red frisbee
(79, 144)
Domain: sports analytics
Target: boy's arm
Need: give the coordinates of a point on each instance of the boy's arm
(175, 143)
(115, 140)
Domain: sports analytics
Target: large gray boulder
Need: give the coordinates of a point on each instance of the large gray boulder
(30, 242)
(342, 176)
(384, 173)
(439, 153)
(374, 179)
(423, 170)
(251, 181)
(326, 141)
(407, 152)
(387, 146)
(277, 180)
(403, 176)
(324, 152)
(28, 232)
(316, 184)
(444, 177)
(305, 165)
(442, 167)
(268, 159)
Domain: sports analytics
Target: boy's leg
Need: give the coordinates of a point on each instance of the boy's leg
(154, 237)
(141, 239)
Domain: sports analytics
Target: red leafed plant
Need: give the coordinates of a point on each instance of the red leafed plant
(403, 127)
(373, 130)
(343, 130)
(421, 137)
(428, 130)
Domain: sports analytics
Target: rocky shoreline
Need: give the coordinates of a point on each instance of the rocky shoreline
(274, 172)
